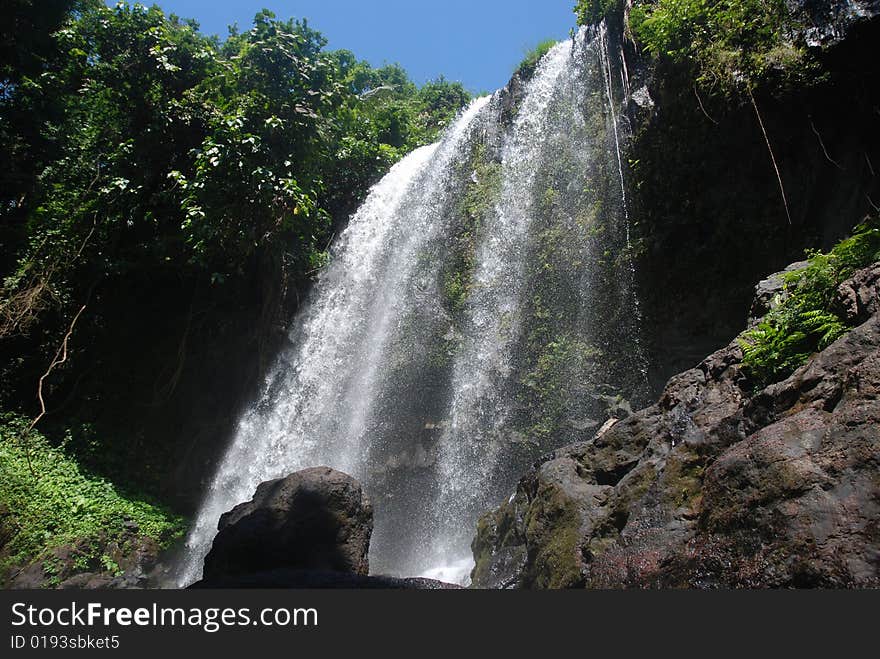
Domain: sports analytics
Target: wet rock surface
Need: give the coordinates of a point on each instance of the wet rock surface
(828, 23)
(127, 561)
(714, 485)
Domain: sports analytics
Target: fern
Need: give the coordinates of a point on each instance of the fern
(805, 321)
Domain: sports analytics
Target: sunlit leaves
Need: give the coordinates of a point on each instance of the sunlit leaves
(161, 147)
(731, 42)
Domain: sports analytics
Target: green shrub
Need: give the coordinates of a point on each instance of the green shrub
(731, 42)
(50, 501)
(592, 12)
(530, 62)
(805, 320)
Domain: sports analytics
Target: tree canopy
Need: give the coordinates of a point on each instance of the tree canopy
(134, 141)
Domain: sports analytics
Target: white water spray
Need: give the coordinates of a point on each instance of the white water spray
(438, 407)
(314, 403)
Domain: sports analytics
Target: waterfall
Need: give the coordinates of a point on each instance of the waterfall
(472, 444)
(478, 310)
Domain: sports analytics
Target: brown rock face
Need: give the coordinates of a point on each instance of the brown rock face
(314, 519)
(714, 486)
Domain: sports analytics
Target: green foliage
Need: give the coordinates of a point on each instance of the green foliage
(109, 565)
(455, 289)
(731, 42)
(387, 102)
(593, 12)
(26, 28)
(778, 345)
(51, 502)
(484, 187)
(547, 382)
(806, 320)
(153, 146)
(530, 62)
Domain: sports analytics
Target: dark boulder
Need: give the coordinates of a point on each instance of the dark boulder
(314, 519)
(857, 297)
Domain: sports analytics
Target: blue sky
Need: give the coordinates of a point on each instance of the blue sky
(478, 42)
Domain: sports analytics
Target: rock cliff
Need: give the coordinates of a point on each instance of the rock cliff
(706, 199)
(715, 485)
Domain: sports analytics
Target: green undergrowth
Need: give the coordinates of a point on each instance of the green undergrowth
(732, 41)
(805, 319)
(47, 500)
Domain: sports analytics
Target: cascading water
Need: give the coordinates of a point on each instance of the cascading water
(478, 310)
(316, 401)
(472, 443)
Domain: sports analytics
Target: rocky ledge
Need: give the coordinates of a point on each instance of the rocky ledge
(715, 485)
